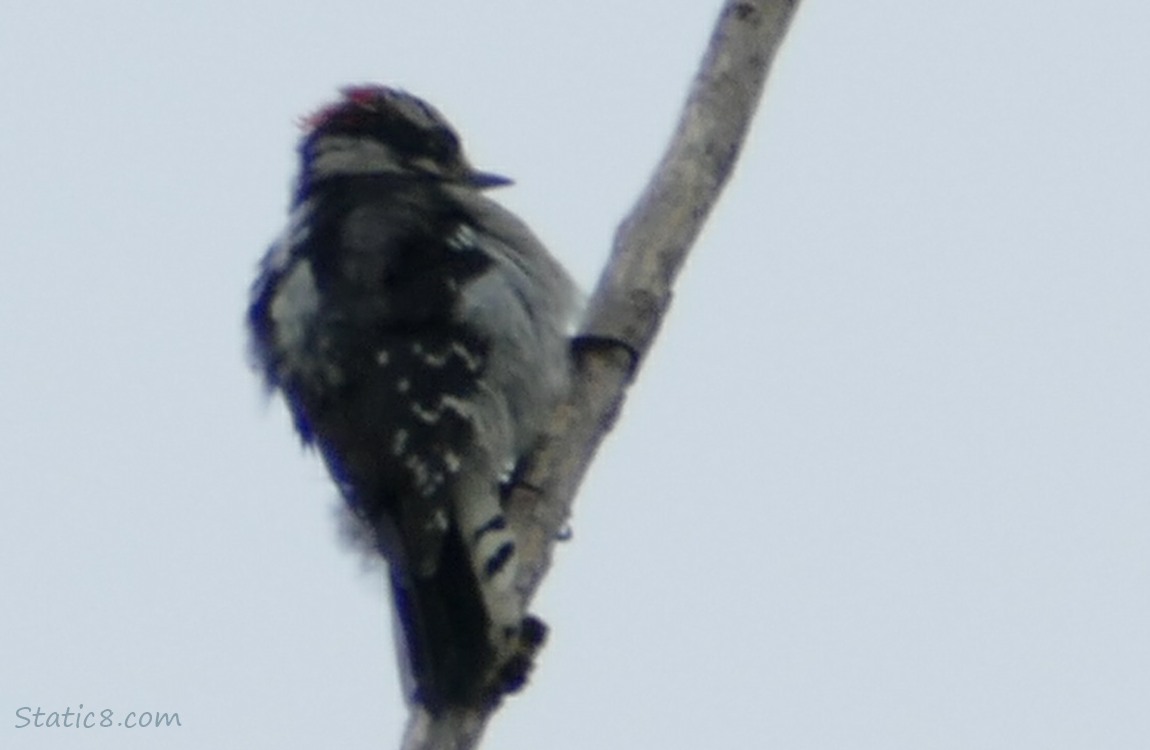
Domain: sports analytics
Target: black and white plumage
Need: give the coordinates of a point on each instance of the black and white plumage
(418, 332)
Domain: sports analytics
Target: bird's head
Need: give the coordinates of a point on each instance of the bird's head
(375, 130)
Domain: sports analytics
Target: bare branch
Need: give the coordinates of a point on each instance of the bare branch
(633, 295)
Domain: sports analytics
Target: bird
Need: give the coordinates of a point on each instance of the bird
(419, 334)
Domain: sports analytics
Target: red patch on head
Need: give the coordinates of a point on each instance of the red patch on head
(364, 96)
(355, 101)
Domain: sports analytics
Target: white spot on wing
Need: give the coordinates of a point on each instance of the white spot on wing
(399, 443)
(464, 238)
(438, 521)
(473, 363)
(425, 480)
(430, 416)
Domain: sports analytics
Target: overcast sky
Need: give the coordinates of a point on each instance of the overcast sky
(883, 483)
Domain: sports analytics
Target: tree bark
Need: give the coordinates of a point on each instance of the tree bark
(630, 301)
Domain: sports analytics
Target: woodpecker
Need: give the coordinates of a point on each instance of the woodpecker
(419, 334)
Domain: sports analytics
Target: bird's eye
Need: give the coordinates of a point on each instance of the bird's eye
(443, 145)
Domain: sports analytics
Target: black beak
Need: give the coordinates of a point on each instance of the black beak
(484, 180)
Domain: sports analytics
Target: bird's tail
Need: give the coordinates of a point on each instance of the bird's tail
(444, 646)
(466, 638)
